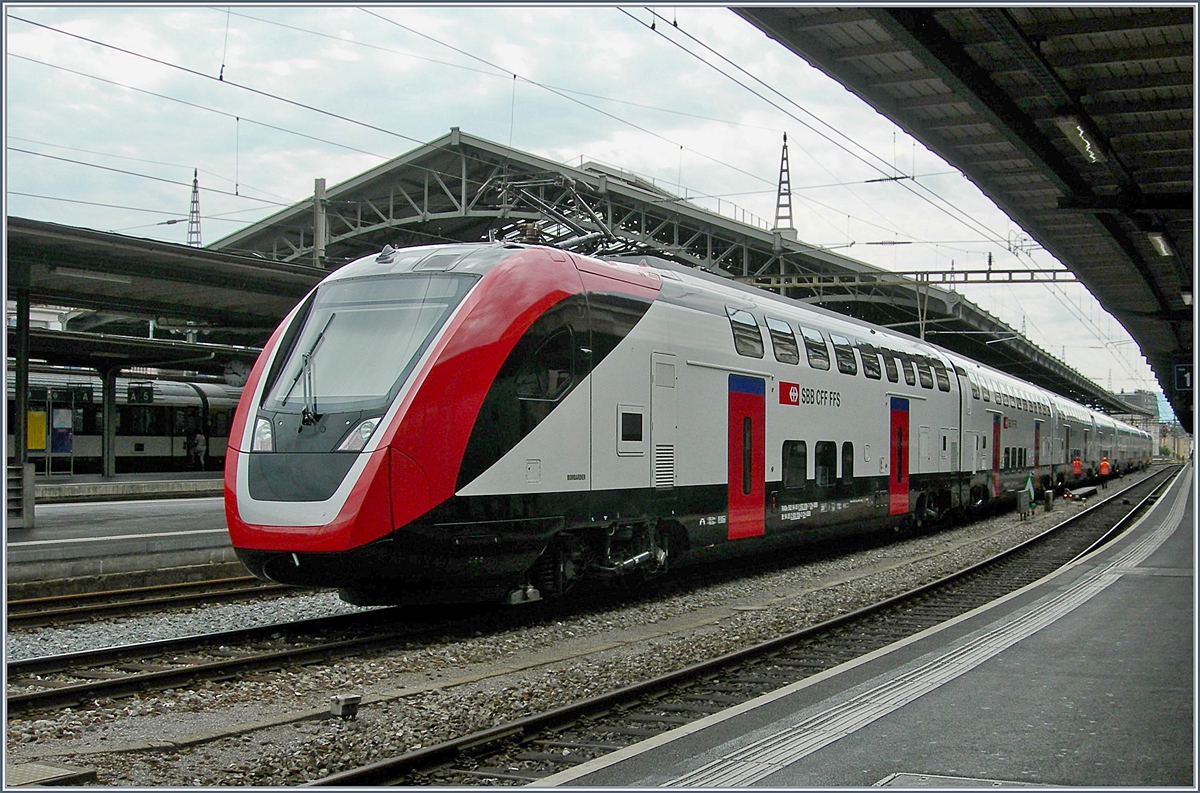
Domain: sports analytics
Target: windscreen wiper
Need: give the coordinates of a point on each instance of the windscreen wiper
(309, 414)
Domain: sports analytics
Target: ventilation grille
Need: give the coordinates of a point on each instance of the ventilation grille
(664, 466)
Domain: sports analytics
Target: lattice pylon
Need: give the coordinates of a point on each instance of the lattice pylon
(194, 214)
(783, 202)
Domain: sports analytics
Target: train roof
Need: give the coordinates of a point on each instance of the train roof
(478, 258)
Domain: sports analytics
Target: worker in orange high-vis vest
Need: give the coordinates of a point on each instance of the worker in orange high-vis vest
(1104, 471)
(1077, 466)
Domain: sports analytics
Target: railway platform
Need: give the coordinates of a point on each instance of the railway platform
(133, 530)
(60, 489)
(1085, 678)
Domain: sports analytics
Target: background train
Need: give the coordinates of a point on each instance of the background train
(494, 420)
(156, 422)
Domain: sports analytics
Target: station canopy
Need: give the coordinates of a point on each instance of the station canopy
(1078, 121)
(462, 188)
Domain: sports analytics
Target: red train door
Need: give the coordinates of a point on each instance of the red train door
(898, 481)
(747, 456)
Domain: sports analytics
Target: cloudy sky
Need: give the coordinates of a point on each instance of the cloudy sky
(109, 111)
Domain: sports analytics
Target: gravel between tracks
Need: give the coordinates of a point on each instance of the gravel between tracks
(268, 729)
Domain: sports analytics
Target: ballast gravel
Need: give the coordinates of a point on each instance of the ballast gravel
(273, 728)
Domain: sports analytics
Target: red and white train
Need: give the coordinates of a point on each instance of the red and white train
(478, 421)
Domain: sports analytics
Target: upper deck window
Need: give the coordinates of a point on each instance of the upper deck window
(889, 363)
(747, 338)
(974, 385)
(870, 360)
(910, 372)
(939, 372)
(924, 372)
(783, 341)
(814, 345)
(844, 353)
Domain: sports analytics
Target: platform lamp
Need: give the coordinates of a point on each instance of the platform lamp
(1159, 240)
(1080, 137)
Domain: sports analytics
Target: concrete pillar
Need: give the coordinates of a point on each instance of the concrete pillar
(21, 419)
(319, 223)
(108, 422)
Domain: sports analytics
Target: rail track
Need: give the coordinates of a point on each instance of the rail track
(532, 748)
(74, 678)
(83, 607)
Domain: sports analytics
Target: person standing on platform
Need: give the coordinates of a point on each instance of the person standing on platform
(1105, 469)
(199, 449)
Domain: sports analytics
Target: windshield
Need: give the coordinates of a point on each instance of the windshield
(360, 340)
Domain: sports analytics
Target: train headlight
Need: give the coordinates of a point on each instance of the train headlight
(358, 436)
(264, 436)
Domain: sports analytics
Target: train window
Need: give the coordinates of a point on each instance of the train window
(547, 374)
(825, 463)
(910, 373)
(142, 420)
(889, 363)
(631, 426)
(847, 462)
(925, 373)
(983, 388)
(361, 338)
(974, 386)
(218, 423)
(870, 360)
(747, 338)
(844, 354)
(747, 454)
(783, 341)
(943, 377)
(814, 345)
(795, 464)
(1007, 451)
(630, 429)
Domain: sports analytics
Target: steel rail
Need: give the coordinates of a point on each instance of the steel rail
(60, 609)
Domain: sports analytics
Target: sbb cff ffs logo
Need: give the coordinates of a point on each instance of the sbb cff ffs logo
(789, 393)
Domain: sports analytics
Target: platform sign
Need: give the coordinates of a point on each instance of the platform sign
(140, 394)
(35, 434)
(61, 426)
(1183, 377)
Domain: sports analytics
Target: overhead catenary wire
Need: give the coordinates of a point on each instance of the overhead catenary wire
(556, 92)
(199, 106)
(504, 75)
(949, 209)
(227, 31)
(140, 175)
